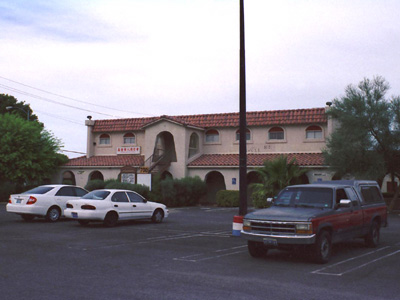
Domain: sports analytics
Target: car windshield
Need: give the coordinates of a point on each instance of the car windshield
(40, 190)
(96, 195)
(305, 197)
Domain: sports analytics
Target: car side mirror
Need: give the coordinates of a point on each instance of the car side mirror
(345, 203)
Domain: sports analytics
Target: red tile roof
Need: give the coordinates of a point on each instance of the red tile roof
(105, 161)
(257, 118)
(227, 160)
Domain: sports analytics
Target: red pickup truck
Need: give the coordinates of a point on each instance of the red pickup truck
(318, 215)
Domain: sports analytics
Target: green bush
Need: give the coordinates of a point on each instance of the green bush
(182, 192)
(227, 198)
(95, 185)
(259, 200)
(6, 189)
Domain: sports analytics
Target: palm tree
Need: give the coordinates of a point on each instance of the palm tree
(276, 175)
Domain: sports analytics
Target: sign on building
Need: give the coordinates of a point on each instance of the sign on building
(128, 150)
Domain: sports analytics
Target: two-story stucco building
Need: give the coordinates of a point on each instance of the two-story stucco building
(200, 145)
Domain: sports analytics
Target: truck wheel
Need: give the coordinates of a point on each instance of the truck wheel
(256, 249)
(372, 238)
(323, 248)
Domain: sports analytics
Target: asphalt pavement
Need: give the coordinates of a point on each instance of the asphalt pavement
(191, 255)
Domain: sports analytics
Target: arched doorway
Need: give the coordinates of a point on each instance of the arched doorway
(166, 175)
(68, 178)
(215, 182)
(96, 175)
(164, 147)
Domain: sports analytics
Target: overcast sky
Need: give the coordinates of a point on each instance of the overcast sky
(136, 58)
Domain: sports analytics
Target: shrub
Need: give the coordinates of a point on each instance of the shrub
(6, 189)
(259, 200)
(182, 192)
(95, 185)
(227, 198)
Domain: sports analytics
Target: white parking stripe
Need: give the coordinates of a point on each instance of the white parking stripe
(211, 255)
(347, 269)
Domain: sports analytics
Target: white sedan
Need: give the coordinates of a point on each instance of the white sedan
(109, 206)
(44, 201)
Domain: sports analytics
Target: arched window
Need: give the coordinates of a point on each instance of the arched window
(248, 135)
(314, 132)
(276, 133)
(212, 136)
(129, 138)
(105, 139)
(193, 144)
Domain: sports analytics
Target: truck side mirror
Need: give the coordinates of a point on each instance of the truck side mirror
(345, 203)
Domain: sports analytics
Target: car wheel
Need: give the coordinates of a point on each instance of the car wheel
(53, 214)
(256, 249)
(83, 222)
(111, 219)
(27, 217)
(323, 248)
(372, 239)
(158, 216)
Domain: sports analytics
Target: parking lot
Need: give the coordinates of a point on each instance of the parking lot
(191, 255)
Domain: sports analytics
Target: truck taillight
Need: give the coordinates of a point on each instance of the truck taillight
(31, 200)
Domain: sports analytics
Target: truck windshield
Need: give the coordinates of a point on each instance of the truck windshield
(305, 197)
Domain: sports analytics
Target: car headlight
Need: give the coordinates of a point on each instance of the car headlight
(304, 228)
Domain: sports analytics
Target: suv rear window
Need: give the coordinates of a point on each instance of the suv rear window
(371, 194)
(40, 190)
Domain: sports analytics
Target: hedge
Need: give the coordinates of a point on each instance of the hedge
(228, 198)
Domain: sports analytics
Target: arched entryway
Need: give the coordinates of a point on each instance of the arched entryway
(166, 175)
(164, 147)
(215, 182)
(96, 175)
(68, 178)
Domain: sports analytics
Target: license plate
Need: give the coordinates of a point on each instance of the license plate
(19, 200)
(270, 242)
(74, 215)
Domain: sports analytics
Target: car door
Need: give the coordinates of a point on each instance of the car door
(122, 205)
(141, 208)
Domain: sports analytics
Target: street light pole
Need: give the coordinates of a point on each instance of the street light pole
(25, 111)
(242, 121)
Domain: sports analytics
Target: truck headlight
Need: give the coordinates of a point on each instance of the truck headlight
(246, 225)
(304, 228)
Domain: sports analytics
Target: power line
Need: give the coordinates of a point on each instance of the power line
(73, 99)
(58, 117)
(53, 101)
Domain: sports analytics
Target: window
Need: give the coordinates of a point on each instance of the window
(276, 133)
(129, 138)
(313, 132)
(193, 144)
(119, 197)
(212, 136)
(66, 191)
(248, 136)
(105, 139)
(133, 197)
(371, 194)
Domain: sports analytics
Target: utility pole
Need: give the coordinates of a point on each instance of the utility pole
(242, 121)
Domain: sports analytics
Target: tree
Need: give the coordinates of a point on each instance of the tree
(28, 153)
(276, 175)
(367, 142)
(19, 108)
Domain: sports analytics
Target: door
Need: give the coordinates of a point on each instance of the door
(122, 205)
(141, 208)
